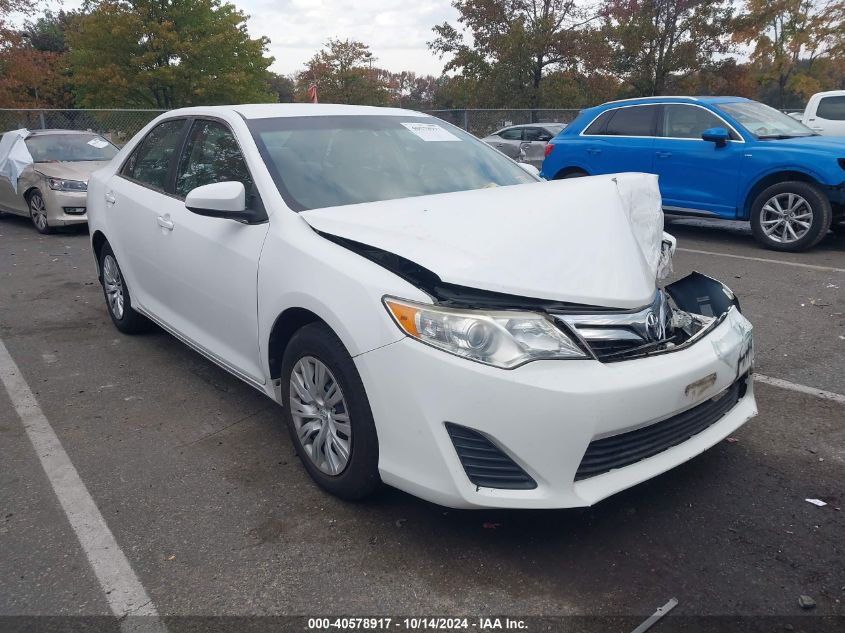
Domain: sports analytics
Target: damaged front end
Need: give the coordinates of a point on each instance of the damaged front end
(681, 313)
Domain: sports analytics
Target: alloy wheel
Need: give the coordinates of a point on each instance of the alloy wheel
(320, 415)
(38, 211)
(113, 285)
(786, 217)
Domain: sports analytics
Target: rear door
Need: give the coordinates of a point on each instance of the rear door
(621, 140)
(695, 174)
(135, 198)
(829, 117)
(534, 141)
(509, 142)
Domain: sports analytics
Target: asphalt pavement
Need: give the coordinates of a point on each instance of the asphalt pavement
(196, 479)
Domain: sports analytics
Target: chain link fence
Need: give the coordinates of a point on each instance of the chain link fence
(120, 125)
(482, 122)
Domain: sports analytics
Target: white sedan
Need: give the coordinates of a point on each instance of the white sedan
(427, 313)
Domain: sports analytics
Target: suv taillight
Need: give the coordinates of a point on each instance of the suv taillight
(548, 150)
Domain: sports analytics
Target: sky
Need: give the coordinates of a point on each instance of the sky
(395, 30)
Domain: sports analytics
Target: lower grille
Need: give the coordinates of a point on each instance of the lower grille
(618, 451)
(484, 463)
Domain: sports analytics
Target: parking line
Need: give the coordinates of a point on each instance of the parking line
(764, 259)
(124, 592)
(792, 386)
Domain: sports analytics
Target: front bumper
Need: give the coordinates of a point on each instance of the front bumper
(544, 415)
(58, 201)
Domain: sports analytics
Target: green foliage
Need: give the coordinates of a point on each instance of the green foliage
(654, 43)
(343, 73)
(166, 54)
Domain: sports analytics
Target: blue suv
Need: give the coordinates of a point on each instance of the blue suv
(724, 157)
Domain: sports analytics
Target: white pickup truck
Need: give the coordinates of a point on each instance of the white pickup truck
(825, 113)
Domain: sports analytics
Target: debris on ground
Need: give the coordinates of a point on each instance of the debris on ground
(731, 440)
(806, 602)
(816, 502)
(400, 522)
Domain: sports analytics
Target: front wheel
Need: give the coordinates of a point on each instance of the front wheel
(328, 415)
(118, 301)
(38, 212)
(790, 216)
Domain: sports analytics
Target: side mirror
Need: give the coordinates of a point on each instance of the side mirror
(220, 200)
(528, 167)
(717, 135)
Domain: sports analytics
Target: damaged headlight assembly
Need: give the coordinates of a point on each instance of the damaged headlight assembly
(504, 339)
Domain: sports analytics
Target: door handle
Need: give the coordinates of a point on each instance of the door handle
(595, 151)
(110, 199)
(500, 144)
(663, 154)
(165, 222)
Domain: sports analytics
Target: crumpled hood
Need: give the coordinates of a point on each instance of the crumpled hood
(594, 240)
(80, 170)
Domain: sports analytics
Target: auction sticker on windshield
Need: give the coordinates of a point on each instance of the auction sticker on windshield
(431, 132)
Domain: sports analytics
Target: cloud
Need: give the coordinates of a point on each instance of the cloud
(395, 30)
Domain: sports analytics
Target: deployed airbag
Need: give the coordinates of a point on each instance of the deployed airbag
(14, 156)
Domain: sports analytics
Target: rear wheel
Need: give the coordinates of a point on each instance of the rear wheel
(38, 212)
(328, 415)
(790, 216)
(118, 300)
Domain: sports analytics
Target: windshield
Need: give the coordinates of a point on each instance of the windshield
(49, 148)
(327, 161)
(765, 122)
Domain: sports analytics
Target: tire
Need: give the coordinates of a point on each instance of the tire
(320, 444)
(771, 206)
(38, 212)
(115, 292)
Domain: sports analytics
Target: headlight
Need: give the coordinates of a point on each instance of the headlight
(504, 339)
(59, 184)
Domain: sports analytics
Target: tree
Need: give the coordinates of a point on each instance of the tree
(654, 42)
(166, 54)
(283, 87)
(343, 73)
(514, 45)
(29, 76)
(789, 37)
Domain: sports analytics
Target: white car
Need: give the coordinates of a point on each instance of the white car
(825, 113)
(427, 313)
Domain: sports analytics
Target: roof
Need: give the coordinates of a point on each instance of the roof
(676, 99)
(272, 110)
(47, 132)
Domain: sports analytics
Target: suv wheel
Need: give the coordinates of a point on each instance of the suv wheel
(118, 300)
(38, 212)
(328, 415)
(790, 216)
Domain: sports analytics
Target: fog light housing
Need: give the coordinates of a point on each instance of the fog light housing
(74, 210)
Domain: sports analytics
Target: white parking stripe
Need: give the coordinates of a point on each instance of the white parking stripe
(124, 592)
(765, 260)
(785, 384)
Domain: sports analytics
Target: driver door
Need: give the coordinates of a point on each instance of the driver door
(213, 262)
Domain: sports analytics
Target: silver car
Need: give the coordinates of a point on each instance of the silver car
(525, 143)
(53, 189)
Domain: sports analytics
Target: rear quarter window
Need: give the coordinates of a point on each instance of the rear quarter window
(832, 108)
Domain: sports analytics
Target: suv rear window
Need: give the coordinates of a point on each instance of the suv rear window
(831, 108)
(632, 121)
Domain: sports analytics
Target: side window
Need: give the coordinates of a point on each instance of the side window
(513, 134)
(533, 134)
(632, 121)
(598, 126)
(149, 163)
(831, 108)
(211, 155)
(683, 121)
